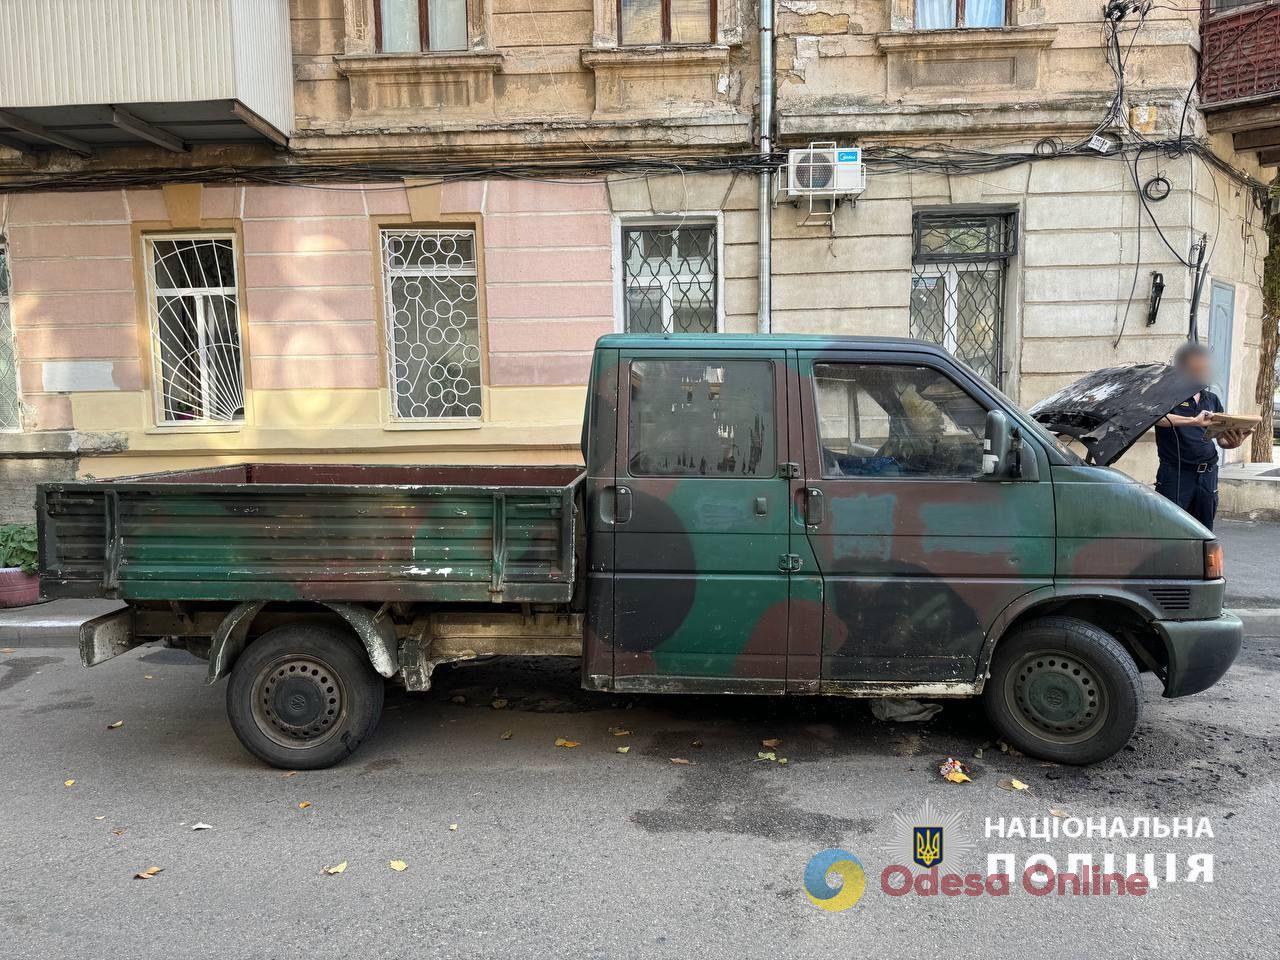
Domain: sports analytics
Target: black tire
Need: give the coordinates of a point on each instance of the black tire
(1065, 690)
(303, 696)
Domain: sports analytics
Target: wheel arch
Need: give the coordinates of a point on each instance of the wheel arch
(1126, 617)
(376, 633)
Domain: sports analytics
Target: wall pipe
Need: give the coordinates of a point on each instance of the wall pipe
(764, 316)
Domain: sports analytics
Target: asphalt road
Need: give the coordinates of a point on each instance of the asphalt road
(587, 853)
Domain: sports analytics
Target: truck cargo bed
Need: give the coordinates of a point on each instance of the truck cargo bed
(314, 532)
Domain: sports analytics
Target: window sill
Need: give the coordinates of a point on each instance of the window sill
(360, 64)
(398, 426)
(911, 40)
(664, 53)
(172, 428)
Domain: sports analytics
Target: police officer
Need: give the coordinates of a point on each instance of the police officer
(1188, 472)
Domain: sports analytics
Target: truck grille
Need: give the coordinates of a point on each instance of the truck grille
(1172, 598)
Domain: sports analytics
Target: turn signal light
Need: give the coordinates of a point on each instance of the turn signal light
(1212, 560)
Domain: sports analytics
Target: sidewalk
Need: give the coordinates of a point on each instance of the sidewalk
(52, 624)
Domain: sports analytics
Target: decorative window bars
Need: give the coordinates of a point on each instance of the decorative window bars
(669, 278)
(10, 409)
(959, 264)
(431, 305)
(195, 329)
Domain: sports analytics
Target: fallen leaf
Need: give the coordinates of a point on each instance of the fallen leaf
(782, 760)
(288, 773)
(620, 731)
(399, 866)
(623, 750)
(202, 826)
(147, 676)
(1012, 784)
(1057, 812)
(458, 698)
(562, 742)
(8, 650)
(697, 744)
(762, 755)
(682, 761)
(115, 726)
(119, 833)
(148, 873)
(453, 826)
(506, 735)
(953, 771)
(68, 783)
(99, 818)
(499, 704)
(771, 742)
(304, 804)
(336, 869)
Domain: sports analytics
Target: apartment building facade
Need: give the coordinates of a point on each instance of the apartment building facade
(335, 230)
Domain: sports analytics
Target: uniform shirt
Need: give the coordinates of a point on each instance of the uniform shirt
(1188, 446)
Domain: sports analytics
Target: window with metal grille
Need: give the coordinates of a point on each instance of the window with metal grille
(958, 271)
(666, 21)
(950, 14)
(418, 26)
(432, 324)
(195, 329)
(10, 411)
(669, 278)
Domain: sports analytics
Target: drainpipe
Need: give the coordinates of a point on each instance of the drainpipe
(764, 319)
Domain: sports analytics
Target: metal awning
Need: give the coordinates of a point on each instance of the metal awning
(87, 128)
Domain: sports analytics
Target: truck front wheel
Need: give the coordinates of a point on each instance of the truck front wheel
(1062, 689)
(303, 697)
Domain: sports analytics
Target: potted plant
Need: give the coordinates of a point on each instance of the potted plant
(19, 584)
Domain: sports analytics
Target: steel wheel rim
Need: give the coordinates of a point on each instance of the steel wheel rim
(1056, 696)
(299, 701)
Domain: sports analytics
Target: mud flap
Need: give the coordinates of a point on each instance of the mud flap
(106, 636)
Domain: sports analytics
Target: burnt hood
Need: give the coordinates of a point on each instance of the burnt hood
(1110, 409)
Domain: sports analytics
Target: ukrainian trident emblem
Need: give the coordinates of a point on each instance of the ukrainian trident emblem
(926, 846)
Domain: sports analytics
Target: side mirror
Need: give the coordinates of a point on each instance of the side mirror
(996, 445)
(1003, 450)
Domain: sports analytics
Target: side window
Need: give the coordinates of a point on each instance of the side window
(693, 418)
(889, 420)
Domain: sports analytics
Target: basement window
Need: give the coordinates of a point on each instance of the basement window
(420, 26)
(195, 329)
(648, 22)
(953, 14)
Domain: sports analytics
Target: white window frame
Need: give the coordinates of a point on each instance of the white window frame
(6, 304)
(386, 273)
(155, 292)
(705, 218)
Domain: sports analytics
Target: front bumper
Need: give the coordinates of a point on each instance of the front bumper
(1200, 651)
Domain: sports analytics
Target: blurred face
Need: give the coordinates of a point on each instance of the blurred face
(1197, 367)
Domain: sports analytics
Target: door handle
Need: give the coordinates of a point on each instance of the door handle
(815, 509)
(622, 504)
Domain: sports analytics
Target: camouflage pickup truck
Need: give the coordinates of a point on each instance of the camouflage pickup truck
(778, 515)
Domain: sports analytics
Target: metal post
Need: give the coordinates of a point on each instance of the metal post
(764, 320)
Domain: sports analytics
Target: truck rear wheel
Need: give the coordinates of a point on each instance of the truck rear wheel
(303, 697)
(1062, 689)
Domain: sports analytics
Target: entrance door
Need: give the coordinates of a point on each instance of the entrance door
(918, 553)
(1222, 309)
(701, 521)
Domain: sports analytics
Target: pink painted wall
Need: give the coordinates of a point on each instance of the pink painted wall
(309, 283)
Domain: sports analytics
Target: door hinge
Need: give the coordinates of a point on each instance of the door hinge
(789, 562)
(789, 470)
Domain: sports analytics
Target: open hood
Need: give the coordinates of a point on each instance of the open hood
(1110, 409)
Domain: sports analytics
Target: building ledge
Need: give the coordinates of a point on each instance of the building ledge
(386, 85)
(660, 54)
(660, 81)
(912, 40)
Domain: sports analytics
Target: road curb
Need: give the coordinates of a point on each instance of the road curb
(1259, 621)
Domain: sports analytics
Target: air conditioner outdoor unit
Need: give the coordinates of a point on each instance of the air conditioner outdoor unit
(825, 170)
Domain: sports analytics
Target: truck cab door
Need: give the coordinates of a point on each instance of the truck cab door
(919, 553)
(701, 521)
